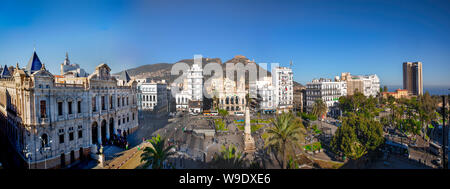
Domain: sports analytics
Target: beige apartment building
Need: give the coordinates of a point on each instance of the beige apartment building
(412, 78)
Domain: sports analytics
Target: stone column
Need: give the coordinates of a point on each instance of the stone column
(115, 126)
(107, 130)
(249, 143)
(98, 103)
(99, 135)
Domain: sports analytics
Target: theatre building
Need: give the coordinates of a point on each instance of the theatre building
(54, 121)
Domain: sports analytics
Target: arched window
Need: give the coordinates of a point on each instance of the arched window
(44, 140)
(227, 100)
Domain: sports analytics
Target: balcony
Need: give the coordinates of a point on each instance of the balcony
(68, 85)
(71, 116)
(80, 115)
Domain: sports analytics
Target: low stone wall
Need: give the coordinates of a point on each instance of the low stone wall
(205, 132)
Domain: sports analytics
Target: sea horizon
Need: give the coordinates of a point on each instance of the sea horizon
(433, 90)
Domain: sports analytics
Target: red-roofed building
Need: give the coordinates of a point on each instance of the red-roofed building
(399, 93)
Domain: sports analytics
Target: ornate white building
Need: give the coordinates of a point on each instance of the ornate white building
(229, 94)
(369, 85)
(328, 91)
(72, 70)
(53, 122)
(191, 90)
(265, 93)
(152, 94)
(282, 81)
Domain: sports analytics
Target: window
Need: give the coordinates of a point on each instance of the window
(110, 102)
(61, 138)
(70, 136)
(119, 122)
(128, 119)
(60, 108)
(133, 116)
(79, 106)
(94, 106)
(128, 102)
(43, 109)
(123, 101)
(123, 120)
(118, 101)
(44, 140)
(80, 134)
(103, 103)
(70, 107)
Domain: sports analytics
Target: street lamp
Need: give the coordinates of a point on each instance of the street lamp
(45, 148)
(28, 155)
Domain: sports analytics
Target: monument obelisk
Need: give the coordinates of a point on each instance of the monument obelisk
(249, 143)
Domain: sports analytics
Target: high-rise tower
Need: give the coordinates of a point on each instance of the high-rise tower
(412, 77)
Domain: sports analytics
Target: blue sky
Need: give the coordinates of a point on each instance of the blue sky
(323, 38)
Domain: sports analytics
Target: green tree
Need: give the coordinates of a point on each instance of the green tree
(292, 163)
(285, 132)
(358, 135)
(427, 108)
(157, 153)
(343, 140)
(229, 158)
(224, 113)
(215, 101)
(352, 103)
(392, 107)
(319, 108)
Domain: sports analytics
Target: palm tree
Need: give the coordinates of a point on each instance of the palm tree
(427, 108)
(392, 106)
(229, 158)
(215, 101)
(156, 154)
(284, 133)
(319, 108)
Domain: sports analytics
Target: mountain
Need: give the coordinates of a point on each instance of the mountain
(161, 71)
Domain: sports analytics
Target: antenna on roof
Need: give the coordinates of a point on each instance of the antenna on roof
(290, 64)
